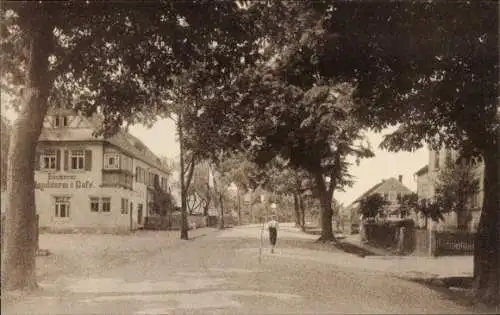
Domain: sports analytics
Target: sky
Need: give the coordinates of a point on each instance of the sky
(162, 140)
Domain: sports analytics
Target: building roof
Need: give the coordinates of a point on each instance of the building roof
(136, 148)
(372, 190)
(423, 170)
(367, 193)
(122, 139)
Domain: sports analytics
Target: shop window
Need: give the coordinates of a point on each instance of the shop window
(62, 207)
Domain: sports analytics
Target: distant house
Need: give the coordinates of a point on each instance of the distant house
(424, 183)
(426, 179)
(391, 189)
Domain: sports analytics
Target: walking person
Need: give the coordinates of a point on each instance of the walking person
(272, 226)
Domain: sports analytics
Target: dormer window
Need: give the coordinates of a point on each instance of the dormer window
(61, 121)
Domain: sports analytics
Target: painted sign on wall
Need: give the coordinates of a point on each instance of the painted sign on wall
(64, 182)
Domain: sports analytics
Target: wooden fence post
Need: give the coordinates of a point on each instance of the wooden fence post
(401, 238)
(432, 243)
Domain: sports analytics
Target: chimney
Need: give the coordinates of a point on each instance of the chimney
(400, 178)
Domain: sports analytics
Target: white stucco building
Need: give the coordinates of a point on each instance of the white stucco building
(426, 179)
(88, 182)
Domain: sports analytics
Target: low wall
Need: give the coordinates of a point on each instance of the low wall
(392, 235)
(173, 222)
(86, 230)
(422, 242)
(403, 238)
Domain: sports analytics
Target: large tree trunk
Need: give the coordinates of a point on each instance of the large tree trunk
(18, 257)
(486, 253)
(239, 206)
(184, 224)
(221, 206)
(296, 208)
(326, 213)
(221, 214)
(208, 196)
(302, 213)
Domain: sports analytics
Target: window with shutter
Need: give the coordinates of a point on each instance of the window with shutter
(58, 159)
(88, 160)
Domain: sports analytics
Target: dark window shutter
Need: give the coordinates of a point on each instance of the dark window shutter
(66, 159)
(37, 160)
(58, 159)
(88, 160)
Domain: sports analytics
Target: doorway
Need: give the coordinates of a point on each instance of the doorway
(139, 214)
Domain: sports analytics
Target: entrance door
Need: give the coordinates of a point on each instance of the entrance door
(139, 213)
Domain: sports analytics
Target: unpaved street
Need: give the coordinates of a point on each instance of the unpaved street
(214, 273)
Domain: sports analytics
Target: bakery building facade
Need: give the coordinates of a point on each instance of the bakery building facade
(96, 183)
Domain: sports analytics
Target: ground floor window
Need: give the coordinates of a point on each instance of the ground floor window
(62, 207)
(105, 204)
(94, 204)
